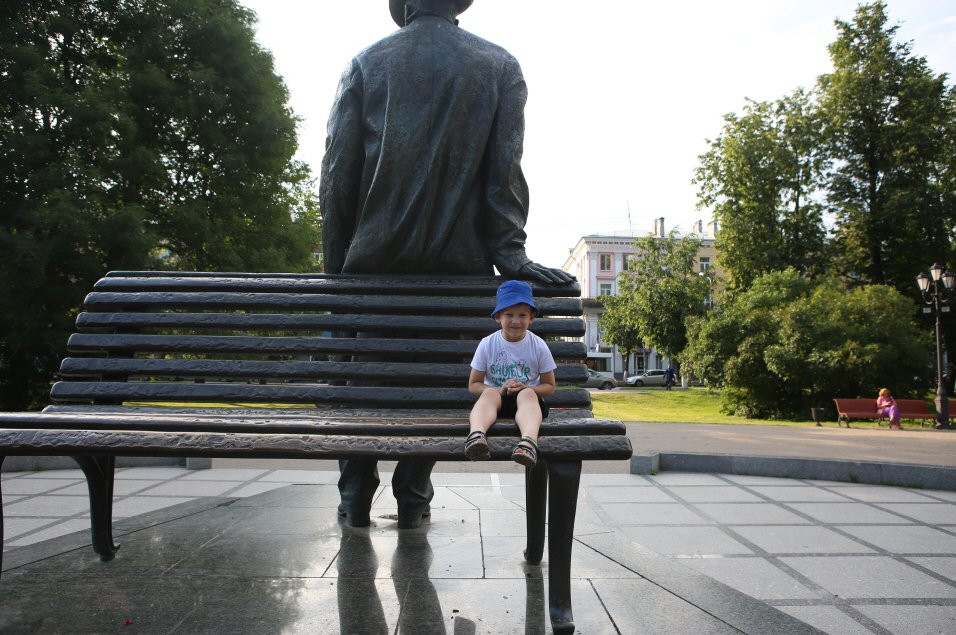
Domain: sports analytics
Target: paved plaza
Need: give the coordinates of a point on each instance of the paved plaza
(259, 549)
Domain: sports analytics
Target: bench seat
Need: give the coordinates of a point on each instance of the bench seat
(294, 437)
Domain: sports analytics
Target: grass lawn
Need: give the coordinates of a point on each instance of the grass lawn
(685, 405)
(680, 405)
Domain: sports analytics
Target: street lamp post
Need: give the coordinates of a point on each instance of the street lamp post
(937, 296)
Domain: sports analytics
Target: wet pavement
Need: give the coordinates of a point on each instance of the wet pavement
(248, 548)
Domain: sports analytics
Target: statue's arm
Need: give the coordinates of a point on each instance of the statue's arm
(341, 171)
(506, 196)
(507, 190)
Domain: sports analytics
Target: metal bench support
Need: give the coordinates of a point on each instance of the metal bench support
(99, 478)
(564, 478)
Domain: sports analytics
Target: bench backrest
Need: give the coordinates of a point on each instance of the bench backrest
(914, 407)
(299, 339)
(856, 406)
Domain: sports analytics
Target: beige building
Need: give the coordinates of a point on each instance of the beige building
(596, 261)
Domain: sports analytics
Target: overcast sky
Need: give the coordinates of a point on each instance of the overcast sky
(623, 95)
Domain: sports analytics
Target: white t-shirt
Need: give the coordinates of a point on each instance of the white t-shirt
(502, 360)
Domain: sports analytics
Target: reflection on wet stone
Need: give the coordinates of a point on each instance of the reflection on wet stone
(534, 602)
(360, 609)
(421, 610)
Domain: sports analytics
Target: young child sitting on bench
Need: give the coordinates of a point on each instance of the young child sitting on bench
(511, 371)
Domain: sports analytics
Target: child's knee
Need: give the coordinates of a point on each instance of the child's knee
(491, 395)
(528, 402)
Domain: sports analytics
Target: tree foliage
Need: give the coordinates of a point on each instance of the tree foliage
(788, 343)
(887, 116)
(618, 327)
(134, 134)
(872, 146)
(761, 177)
(871, 149)
(660, 290)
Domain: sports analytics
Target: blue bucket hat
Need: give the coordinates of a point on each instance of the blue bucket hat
(514, 292)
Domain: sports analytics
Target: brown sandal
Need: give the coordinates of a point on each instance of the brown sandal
(476, 446)
(526, 452)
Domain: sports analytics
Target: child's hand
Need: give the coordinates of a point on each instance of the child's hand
(513, 386)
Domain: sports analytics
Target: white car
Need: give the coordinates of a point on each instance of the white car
(647, 378)
(604, 381)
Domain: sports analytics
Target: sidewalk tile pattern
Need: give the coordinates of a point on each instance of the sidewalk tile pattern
(844, 558)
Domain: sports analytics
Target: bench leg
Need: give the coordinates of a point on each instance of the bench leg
(99, 479)
(536, 503)
(562, 502)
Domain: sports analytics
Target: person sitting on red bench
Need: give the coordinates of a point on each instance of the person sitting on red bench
(886, 406)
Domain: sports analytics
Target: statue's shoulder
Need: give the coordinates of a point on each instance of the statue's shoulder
(380, 48)
(488, 47)
(408, 43)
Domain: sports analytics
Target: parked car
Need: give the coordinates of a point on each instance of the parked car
(604, 381)
(647, 378)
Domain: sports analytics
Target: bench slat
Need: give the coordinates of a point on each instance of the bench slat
(394, 371)
(302, 345)
(216, 300)
(339, 412)
(477, 326)
(915, 409)
(319, 283)
(214, 444)
(298, 424)
(431, 397)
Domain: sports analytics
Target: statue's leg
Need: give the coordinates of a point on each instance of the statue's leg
(562, 502)
(99, 480)
(358, 481)
(536, 503)
(412, 488)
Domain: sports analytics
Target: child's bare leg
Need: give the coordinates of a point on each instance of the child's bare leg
(528, 417)
(485, 411)
(528, 420)
(482, 417)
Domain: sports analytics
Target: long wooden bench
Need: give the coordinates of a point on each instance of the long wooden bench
(307, 366)
(913, 409)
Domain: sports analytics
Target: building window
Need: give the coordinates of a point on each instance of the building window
(704, 263)
(626, 260)
(604, 288)
(604, 261)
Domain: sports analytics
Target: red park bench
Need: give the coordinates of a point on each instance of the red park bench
(866, 409)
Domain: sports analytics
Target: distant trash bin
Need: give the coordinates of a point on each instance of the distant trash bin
(817, 414)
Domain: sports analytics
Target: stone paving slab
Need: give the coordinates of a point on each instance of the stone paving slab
(240, 568)
(841, 557)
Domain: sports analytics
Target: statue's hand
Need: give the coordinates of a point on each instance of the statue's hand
(547, 275)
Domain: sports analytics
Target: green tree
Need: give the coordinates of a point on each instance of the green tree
(948, 174)
(760, 178)
(888, 118)
(134, 134)
(660, 290)
(788, 343)
(618, 327)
